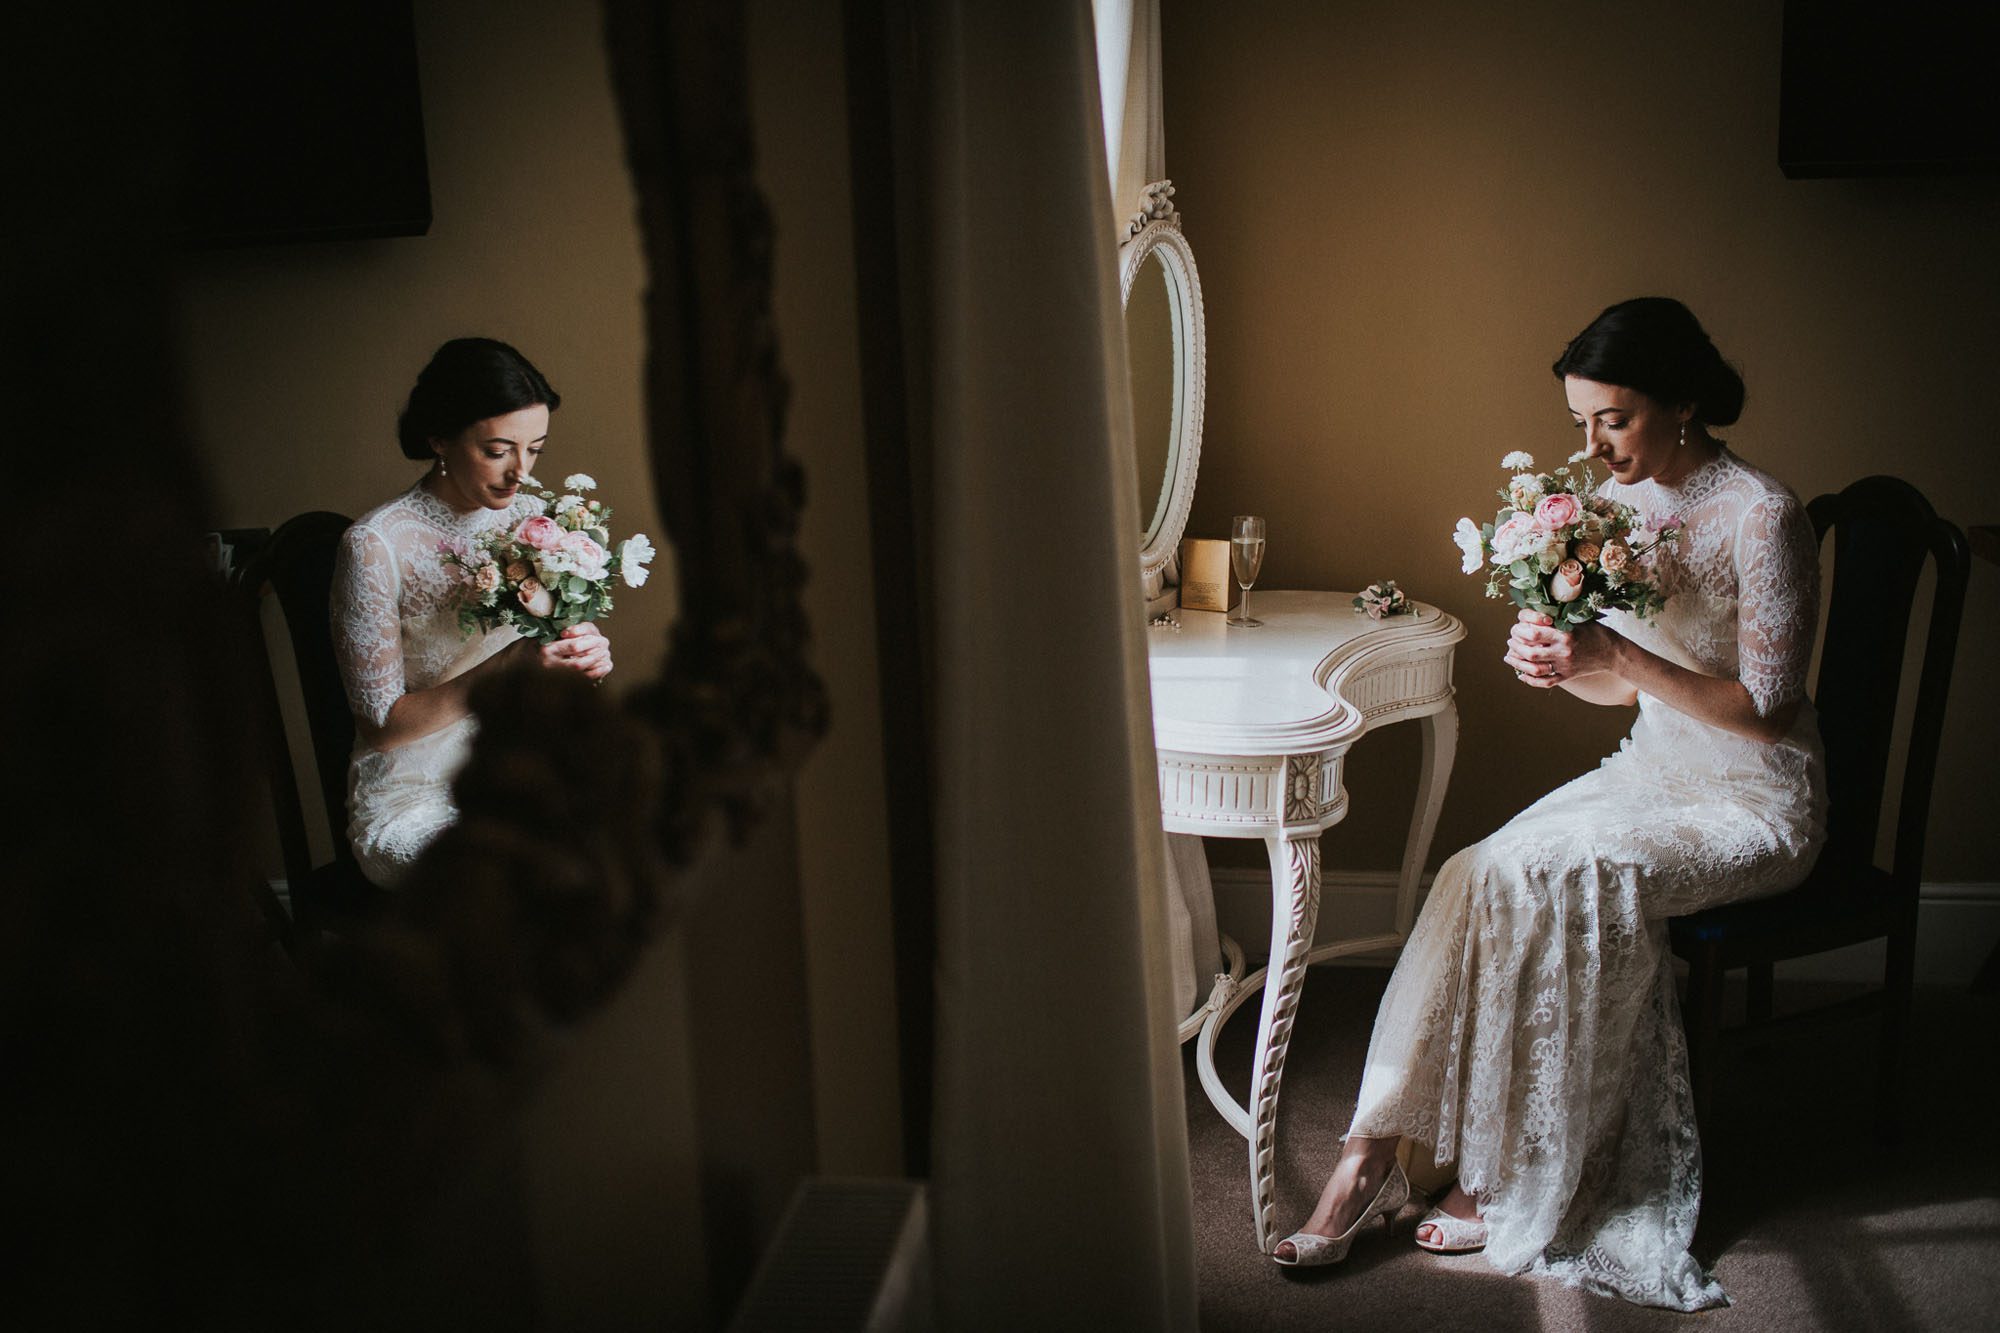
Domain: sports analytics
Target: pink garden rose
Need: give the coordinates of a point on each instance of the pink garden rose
(535, 599)
(1558, 510)
(586, 557)
(541, 532)
(1516, 538)
(1566, 585)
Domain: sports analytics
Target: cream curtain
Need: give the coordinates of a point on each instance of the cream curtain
(1060, 1184)
(1128, 63)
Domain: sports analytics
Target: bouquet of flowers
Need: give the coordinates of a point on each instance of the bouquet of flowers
(548, 572)
(1383, 599)
(1557, 548)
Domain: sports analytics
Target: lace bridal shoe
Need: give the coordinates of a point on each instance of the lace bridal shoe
(1310, 1250)
(1450, 1234)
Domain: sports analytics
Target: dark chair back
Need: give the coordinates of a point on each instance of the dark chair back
(1884, 532)
(297, 565)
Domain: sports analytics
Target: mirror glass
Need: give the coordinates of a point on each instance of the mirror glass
(1151, 314)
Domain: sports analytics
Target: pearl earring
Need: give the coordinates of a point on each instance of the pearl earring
(1684, 440)
(443, 471)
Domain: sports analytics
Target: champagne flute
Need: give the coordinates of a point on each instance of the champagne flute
(1246, 558)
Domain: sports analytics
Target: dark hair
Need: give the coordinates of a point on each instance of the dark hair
(468, 380)
(1655, 344)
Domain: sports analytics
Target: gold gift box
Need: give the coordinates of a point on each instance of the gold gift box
(1206, 581)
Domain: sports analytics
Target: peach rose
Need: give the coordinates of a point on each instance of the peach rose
(1557, 511)
(486, 578)
(518, 570)
(1566, 584)
(1586, 552)
(1616, 556)
(535, 599)
(541, 532)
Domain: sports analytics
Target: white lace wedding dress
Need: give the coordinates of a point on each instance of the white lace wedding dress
(395, 629)
(1530, 1029)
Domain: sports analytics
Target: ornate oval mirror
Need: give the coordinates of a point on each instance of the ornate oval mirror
(1165, 345)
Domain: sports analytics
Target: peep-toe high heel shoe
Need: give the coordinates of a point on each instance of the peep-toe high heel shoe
(1450, 1234)
(1310, 1250)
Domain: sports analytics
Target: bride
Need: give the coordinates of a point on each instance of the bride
(1530, 1032)
(480, 414)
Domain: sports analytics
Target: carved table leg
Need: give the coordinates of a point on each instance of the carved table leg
(1440, 747)
(1294, 912)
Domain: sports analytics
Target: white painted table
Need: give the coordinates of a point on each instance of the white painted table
(1252, 726)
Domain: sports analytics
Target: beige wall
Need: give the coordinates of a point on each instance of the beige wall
(299, 357)
(1401, 213)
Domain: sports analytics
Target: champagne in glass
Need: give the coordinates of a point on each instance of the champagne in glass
(1246, 558)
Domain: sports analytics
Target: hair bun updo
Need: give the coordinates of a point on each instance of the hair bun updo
(468, 380)
(1655, 345)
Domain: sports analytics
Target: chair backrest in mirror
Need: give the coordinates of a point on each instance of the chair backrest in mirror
(298, 565)
(1884, 533)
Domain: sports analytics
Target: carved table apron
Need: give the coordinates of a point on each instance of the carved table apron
(1252, 726)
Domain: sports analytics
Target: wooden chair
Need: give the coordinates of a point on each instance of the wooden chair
(1884, 532)
(296, 565)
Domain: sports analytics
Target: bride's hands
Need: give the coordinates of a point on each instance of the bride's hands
(1542, 655)
(581, 648)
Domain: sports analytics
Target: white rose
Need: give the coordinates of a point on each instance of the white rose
(635, 551)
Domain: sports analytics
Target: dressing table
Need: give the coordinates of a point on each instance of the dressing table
(1252, 726)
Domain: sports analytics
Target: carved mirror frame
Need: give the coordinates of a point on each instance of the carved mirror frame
(1156, 230)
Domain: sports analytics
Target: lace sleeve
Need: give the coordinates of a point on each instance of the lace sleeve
(367, 624)
(1777, 581)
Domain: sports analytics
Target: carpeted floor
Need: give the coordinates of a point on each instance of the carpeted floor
(1806, 1221)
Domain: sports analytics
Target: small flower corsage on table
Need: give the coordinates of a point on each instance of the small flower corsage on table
(548, 572)
(1558, 548)
(1383, 599)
